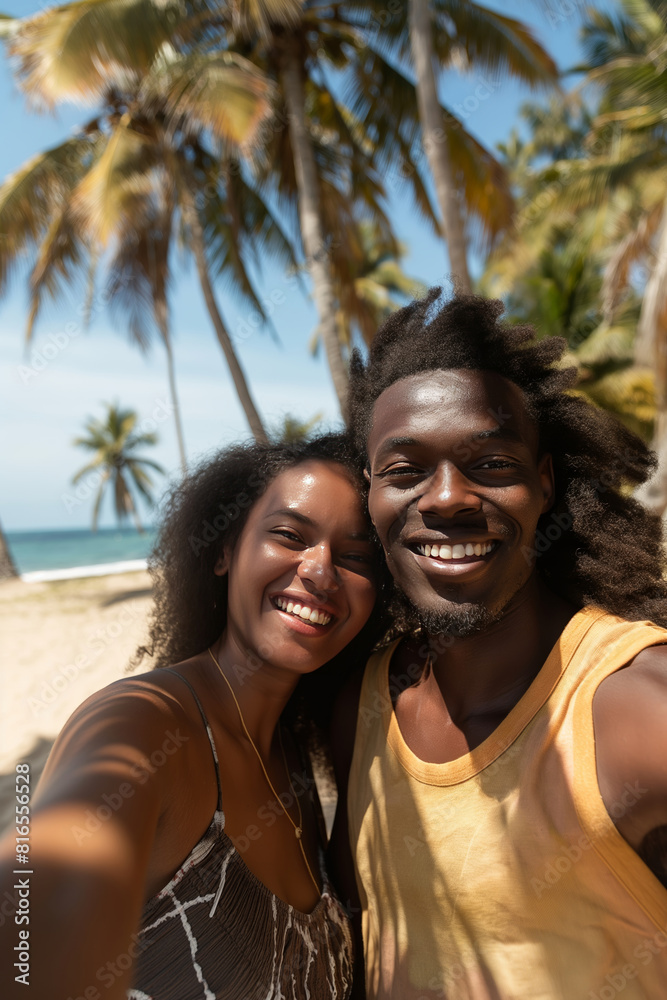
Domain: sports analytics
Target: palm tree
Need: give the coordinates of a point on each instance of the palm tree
(114, 441)
(552, 267)
(7, 566)
(138, 285)
(441, 34)
(625, 59)
(298, 56)
(146, 149)
(610, 188)
(292, 430)
(370, 284)
(299, 43)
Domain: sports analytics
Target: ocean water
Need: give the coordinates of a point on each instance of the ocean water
(70, 550)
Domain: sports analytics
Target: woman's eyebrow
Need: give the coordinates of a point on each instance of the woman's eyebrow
(355, 536)
(290, 512)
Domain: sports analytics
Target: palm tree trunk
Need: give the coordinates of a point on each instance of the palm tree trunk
(651, 351)
(131, 508)
(435, 141)
(7, 566)
(162, 319)
(238, 377)
(312, 228)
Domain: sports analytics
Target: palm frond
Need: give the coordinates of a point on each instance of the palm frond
(8, 25)
(75, 51)
(220, 91)
(492, 41)
(62, 255)
(115, 187)
(31, 196)
(634, 244)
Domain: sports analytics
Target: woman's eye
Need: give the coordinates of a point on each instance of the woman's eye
(286, 533)
(361, 557)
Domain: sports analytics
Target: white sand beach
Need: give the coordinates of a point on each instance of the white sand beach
(61, 641)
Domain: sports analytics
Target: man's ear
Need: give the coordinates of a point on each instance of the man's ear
(222, 565)
(545, 469)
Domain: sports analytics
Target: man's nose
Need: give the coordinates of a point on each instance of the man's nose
(318, 572)
(449, 492)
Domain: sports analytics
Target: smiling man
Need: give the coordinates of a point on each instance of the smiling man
(507, 797)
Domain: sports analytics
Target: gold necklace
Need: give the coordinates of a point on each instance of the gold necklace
(298, 830)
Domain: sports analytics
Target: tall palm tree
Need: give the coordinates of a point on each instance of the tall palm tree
(148, 135)
(303, 58)
(441, 34)
(137, 286)
(300, 44)
(7, 566)
(114, 442)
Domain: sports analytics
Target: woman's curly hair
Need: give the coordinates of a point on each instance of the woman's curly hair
(597, 544)
(204, 514)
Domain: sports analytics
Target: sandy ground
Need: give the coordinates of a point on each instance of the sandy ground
(59, 643)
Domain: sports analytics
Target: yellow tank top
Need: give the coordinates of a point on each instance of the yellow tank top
(500, 875)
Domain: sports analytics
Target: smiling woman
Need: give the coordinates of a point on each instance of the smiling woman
(177, 823)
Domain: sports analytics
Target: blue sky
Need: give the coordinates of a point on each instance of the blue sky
(46, 396)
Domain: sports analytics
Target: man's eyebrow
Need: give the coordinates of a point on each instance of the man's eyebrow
(396, 442)
(498, 433)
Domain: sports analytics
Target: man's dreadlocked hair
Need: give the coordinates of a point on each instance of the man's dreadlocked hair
(611, 554)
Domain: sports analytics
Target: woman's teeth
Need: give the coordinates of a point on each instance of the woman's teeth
(303, 611)
(455, 551)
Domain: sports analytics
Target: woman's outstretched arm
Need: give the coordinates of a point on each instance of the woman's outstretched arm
(93, 824)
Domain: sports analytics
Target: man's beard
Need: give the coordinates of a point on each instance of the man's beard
(457, 620)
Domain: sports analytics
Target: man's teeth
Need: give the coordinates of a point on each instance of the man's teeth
(303, 611)
(455, 551)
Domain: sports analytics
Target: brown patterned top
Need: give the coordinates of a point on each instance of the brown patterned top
(215, 932)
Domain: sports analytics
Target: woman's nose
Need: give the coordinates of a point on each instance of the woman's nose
(317, 569)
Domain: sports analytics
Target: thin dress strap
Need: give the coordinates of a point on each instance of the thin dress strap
(208, 730)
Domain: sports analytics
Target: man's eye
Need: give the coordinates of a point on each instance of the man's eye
(497, 463)
(400, 470)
